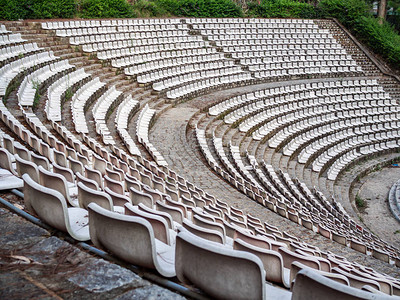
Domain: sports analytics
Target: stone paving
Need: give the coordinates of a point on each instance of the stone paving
(175, 140)
(36, 265)
(376, 215)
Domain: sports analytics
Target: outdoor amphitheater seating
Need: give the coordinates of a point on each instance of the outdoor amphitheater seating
(26, 167)
(159, 224)
(32, 82)
(357, 281)
(138, 196)
(311, 285)
(59, 87)
(87, 195)
(131, 239)
(51, 206)
(59, 183)
(221, 272)
(8, 176)
(272, 262)
(9, 71)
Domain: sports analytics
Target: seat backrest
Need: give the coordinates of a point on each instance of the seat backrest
(311, 285)
(40, 160)
(160, 226)
(87, 195)
(289, 257)
(198, 220)
(129, 238)
(53, 181)
(47, 203)
(140, 197)
(272, 260)
(114, 185)
(166, 216)
(64, 171)
(6, 162)
(357, 281)
(117, 199)
(94, 175)
(205, 233)
(26, 167)
(88, 182)
(175, 213)
(221, 272)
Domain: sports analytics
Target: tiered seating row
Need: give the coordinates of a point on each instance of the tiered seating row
(56, 91)
(142, 132)
(125, 112)
(9, 71)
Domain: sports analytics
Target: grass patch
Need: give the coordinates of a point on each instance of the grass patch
(360, 202)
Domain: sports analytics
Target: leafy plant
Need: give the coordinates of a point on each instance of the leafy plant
(282, 9)
(346, 11)
(360, 202)
(106, 9)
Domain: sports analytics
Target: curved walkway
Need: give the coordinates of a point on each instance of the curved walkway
(377, 216)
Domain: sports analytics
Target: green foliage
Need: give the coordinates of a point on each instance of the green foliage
(146, 9)
(15, 9)
(282, 9)
(106, 9)
(383, 39)
(201, 8)
(346, 11)
(360, 202)
(36, 9)
(354, 14)
(43, 9)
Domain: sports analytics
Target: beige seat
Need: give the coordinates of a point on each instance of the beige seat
(164, 215)
(57, 182)
(94, 175)
(132, 182)
(174, 212)
(40, 160)
(209, 225)
(272, 261)
(87, 195)
(88, 182)
(52, 208)
(357, 281)
(6, 161)
(309, 285)
(64, 171)
(117, 199)
(160, 226)
(8, 176)
(22, 151)
(131, 239)
(114, 185)
(221, 272)
(140, 197)
(26, 167)
(205, 233)
(297, 266)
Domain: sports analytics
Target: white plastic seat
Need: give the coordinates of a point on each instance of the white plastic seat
(131, 239)
(52, 208)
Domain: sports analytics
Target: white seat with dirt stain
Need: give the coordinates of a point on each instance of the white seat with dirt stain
(51, 207)
(131, 239)
(221, 272)
(8, 176)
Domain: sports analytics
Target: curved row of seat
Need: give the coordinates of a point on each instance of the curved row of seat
(294, 200)
(160, 207)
